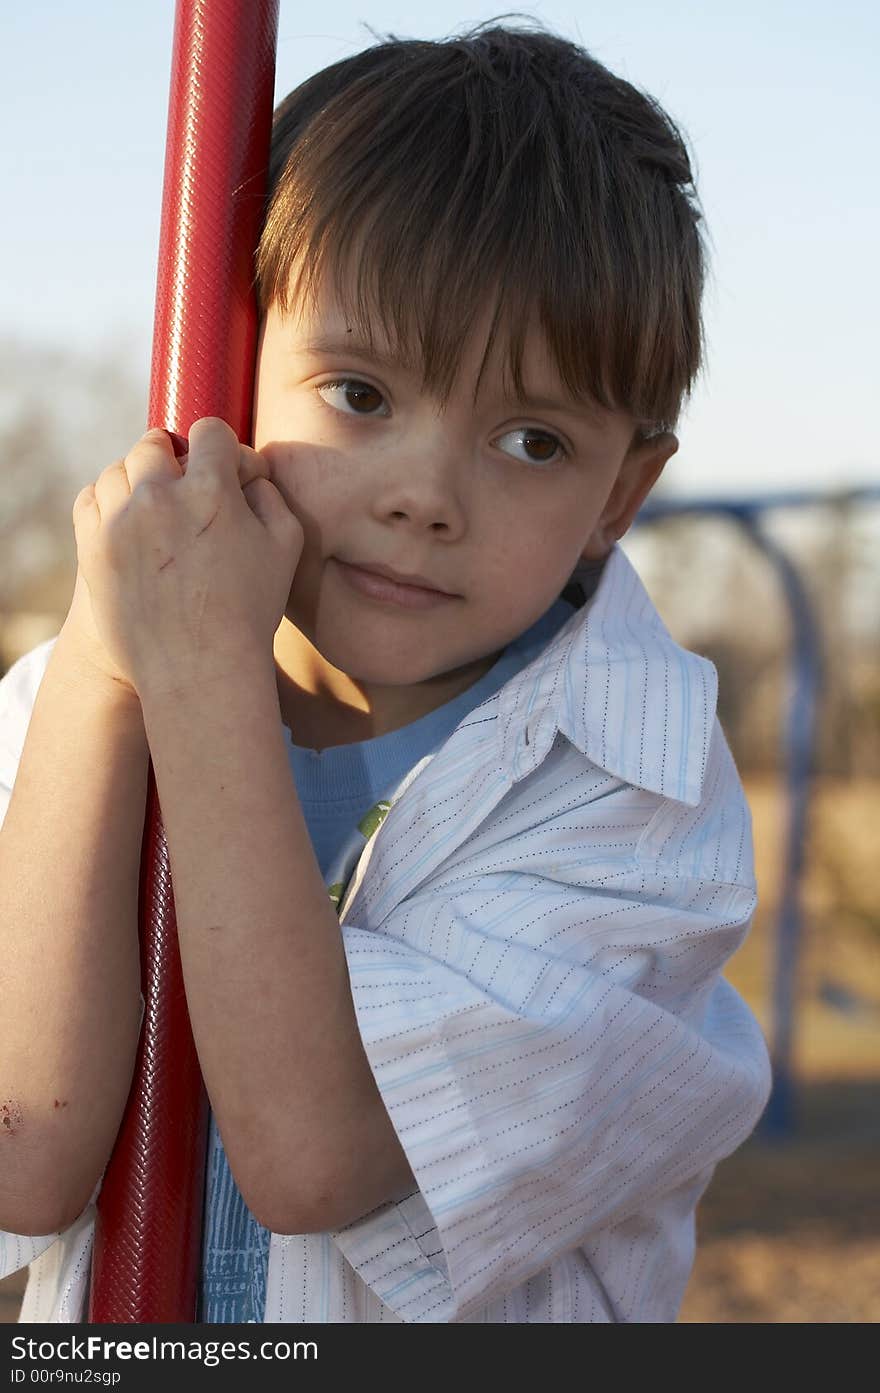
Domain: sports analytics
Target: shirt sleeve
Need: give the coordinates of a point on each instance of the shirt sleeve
(548, 1083)
(18, 692)
(19, 1250)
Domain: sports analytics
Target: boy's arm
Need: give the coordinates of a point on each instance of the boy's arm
(306, 1133)
(69, 964)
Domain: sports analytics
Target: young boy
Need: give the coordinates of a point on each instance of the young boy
(488, 1075)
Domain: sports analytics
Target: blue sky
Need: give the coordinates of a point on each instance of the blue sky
(779, 103)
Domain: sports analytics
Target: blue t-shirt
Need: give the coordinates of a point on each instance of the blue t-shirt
(336, 787)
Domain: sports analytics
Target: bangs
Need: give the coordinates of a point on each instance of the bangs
(431, 185)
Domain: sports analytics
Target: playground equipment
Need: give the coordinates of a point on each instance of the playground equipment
(800, 740)
(148, 1230)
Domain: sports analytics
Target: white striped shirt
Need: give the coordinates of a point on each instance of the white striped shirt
(535, 938)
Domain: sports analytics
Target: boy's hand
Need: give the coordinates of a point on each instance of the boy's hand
(189, 565)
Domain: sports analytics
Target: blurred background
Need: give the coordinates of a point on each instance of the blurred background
(779, 104)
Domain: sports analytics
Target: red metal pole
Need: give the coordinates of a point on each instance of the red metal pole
(145, 1264)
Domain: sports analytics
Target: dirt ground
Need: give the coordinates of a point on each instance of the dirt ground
(789, 1229)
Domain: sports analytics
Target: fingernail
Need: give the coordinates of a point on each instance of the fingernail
(179, 442)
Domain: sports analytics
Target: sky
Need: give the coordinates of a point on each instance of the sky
(778, 102)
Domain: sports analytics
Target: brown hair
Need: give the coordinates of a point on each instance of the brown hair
(503, 162)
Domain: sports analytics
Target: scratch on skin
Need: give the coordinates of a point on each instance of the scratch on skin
(207, 524)
(10, 1117)
(61, 1105)
(172, 559)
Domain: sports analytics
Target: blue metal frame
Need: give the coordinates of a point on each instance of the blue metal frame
(801, 727)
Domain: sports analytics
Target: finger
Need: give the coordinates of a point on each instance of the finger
(259, 505)
(266, 503)
(112, 489)
(85, 512)
(152, 458)
(214, 454)
(251, 466)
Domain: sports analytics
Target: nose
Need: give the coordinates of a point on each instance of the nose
(422, 490)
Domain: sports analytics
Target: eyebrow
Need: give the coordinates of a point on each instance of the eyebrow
(337, 347)
(340, 347)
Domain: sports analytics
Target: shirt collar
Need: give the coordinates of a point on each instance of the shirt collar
(615, 683)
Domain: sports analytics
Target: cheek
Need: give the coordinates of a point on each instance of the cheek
(536, 545)
(310, 481)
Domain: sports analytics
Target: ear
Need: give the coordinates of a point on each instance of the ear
(641, 468)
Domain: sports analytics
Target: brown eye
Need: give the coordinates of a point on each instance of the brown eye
(541, 447)
(359, 398)
(544, 446)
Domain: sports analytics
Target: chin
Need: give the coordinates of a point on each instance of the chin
(370, 672)
(406, 667)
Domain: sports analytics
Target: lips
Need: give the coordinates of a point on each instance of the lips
(380, 585)
(399, 577)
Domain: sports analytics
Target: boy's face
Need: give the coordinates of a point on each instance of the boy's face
(492, 505)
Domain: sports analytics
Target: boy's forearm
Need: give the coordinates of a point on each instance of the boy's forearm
(70, 850)
(261, 950)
